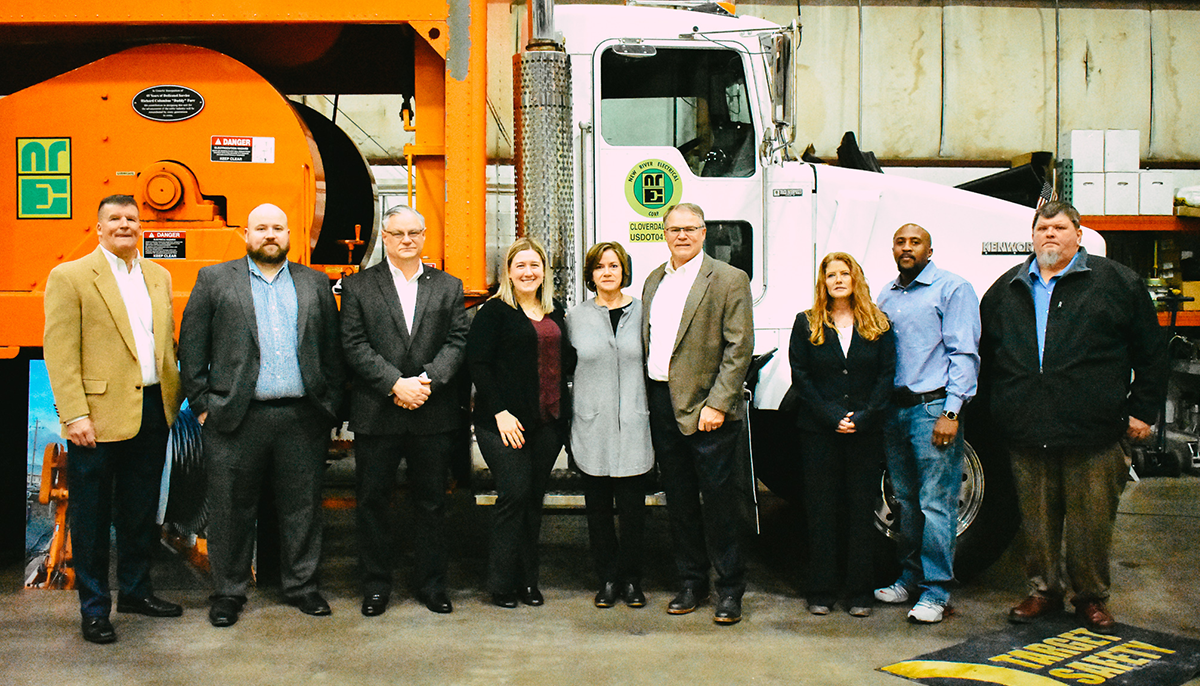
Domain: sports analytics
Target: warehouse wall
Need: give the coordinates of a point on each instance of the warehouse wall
(921, 80)
(989, 81)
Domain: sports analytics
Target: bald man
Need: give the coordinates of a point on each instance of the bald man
(935, 315)
(262, 369)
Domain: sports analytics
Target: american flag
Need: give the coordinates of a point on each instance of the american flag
(1047, 193)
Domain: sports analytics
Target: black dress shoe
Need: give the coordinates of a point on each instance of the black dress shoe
(311, 603)
(98, 630)
(506, 600)
(607, 595)
(685, 601)
(150, 606)
(729, 610)
(632, 593)
(436, 601)
(374, 604)
(224, 610)
(530, 595)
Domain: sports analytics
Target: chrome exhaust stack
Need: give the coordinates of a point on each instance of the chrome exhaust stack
(543, 147)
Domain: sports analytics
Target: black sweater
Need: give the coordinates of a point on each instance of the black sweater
(1101, 327)
(502, 354)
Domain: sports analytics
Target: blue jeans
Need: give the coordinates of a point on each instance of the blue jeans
(926, 481)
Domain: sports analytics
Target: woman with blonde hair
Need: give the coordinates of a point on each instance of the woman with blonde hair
(843, 359)
(516, 351)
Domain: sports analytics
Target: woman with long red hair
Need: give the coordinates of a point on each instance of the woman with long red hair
(843, 359)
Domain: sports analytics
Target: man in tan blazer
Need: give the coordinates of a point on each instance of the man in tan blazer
(699, 333)
(110, 353)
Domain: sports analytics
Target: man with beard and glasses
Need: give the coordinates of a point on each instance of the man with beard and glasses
(261, 361)
(1074, 361)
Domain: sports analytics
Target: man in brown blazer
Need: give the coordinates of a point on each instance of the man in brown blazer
(699, 333)
(110, 353)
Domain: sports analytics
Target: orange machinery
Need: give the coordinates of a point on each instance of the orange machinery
(180, 105)
(55, 570)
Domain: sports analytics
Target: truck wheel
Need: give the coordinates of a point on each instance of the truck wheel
(987, 509)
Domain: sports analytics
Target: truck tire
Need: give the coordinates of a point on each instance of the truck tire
(988, 515)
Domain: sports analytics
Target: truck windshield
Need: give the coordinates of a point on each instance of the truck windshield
(694, 100)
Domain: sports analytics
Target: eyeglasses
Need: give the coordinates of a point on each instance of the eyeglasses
(687, 230)
(414, 235)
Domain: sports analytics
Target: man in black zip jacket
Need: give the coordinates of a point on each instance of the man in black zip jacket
(1073, 360)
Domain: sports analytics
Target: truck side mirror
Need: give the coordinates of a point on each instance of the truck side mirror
(778, 50)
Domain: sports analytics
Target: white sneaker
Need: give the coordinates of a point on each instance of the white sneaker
(896, 593)
(926, 612)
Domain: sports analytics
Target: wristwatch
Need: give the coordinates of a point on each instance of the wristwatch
(952, 416)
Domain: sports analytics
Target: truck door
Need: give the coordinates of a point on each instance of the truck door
(677, 126)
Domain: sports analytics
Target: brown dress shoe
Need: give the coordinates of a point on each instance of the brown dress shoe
(1095, 616)
(1033, 607)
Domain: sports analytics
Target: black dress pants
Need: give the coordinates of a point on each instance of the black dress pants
(521, 477)
(286, 443)
(616, 560)
(703, 464)
(841, 482)
(117, 483)
(376, 460)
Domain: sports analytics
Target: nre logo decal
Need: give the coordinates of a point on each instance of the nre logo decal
(43, 178)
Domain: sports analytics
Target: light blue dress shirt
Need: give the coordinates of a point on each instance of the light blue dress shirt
(276, 311)
(936, 319)
(1043, 291)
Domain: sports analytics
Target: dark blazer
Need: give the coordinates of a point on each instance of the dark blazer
(503, 358)
(380, 350)
(714, 343)
(827, 384)
(218, 343)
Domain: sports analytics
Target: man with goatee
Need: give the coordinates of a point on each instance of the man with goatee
(1073, 361)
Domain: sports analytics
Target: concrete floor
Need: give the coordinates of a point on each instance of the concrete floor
(568, 640)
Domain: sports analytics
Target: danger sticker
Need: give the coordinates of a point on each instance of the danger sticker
(255, 149)
(164, 245)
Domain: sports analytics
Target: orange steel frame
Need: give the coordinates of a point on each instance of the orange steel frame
(448, 156)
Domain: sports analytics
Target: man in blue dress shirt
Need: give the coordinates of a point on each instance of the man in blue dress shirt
(261, 364)
(935, 315)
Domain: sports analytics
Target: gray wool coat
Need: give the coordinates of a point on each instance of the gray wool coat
(610, 429)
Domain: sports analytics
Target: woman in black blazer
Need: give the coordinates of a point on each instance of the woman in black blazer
(517, 351)
(843, 359)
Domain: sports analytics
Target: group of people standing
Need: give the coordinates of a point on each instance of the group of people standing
(265, 357)
(1066, 350)
(653, 379)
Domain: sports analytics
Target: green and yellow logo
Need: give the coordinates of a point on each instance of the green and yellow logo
(43, 178)
(651, 187)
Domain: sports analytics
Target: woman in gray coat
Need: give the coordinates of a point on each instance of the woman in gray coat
(610, 431)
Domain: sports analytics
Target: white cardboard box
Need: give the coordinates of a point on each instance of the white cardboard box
(1121, 193)
(1087, 193)
(1122, 149)
(1157, 192)
(1087, 150)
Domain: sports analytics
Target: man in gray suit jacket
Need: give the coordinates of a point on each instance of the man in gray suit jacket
(262, 369)
(404, 330)
(698, 326)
